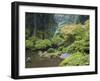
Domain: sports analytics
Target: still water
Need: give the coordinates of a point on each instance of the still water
(36, 61)
(33, 59)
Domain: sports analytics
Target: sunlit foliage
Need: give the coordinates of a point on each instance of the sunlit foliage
(76, 59)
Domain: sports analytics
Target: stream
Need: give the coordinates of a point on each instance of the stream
(34, 60)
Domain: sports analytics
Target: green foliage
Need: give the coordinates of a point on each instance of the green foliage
(81, 46)
(42, 44)
(76, 38)
(51, 50)
(64, 50)
(79, 32)
(60, 48)
(69, 29)
(71, 33)
(33, 39)
(57, 41)
(87, 25)
(72, 38)
(69, 40)
(29, 44)
(76, 59)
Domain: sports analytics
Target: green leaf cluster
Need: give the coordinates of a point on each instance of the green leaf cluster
(42, 44)
(57, 41)
(51, 50)
(76, 59)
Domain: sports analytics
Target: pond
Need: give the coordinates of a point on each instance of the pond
(34, 60)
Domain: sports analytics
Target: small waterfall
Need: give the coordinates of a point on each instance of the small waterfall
(57, 31)
(63, 19)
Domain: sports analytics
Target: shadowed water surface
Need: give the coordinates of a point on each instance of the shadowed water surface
(33, 59)
(37, 61)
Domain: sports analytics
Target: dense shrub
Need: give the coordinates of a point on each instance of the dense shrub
(29, 44)
(76, 59)
(33, 39)
(42, 44)
(64, 50)
(79, 32)
(57, 41)
(51, 50)
(69, 40)
(60, 48)
(71, 33)
(87, 25)
(76, 38)
(68, 29)
(81, 46)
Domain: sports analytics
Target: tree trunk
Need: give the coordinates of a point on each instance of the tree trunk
(35, 25)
